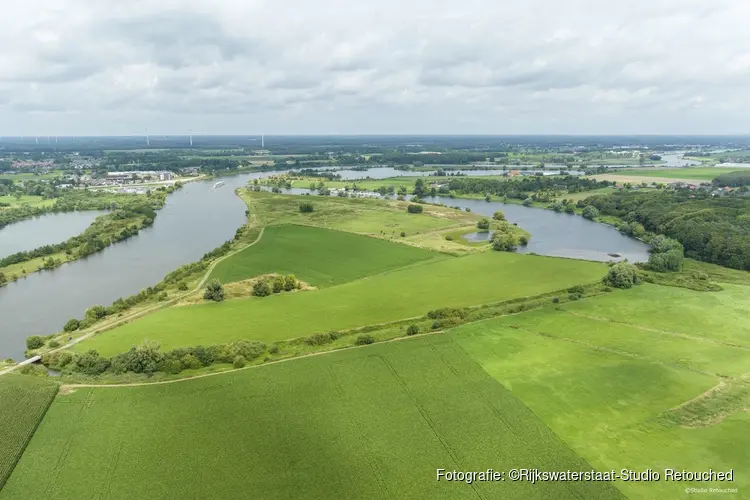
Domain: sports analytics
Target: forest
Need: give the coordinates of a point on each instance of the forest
(712, 229)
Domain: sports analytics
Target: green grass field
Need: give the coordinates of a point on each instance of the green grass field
(321, 257)
(697, 173)
(32, 201)
(613, 390)
(23, 403)
(400, 294)
(366, 423)
(384, 219)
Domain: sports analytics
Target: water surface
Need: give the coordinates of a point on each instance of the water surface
(44, 230)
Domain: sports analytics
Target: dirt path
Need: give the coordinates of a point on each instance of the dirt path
(68, 388)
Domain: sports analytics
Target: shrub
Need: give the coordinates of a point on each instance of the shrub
(305, 208)
(621, 275)
(214, 291)
(412, 330)
(576, 289)
(173, 366)
(573, 296)
(435, 325)
(449, 237)
(34, 342)
(556, 300)
(72, 325)
(278, 284)
(503, 242)
(53, 344)
(96, 312)
(415, 209)
(321, 338)
(365, 339)
(590, 212)
(262, 288)
(183, 287)
(483, 224)
(290, 282)
(700, 275)
(239, 362)
(528, 202)
(523, 240)
(569, 209)
(190, 362)
(448, 312)
(467, 209)
(403, 234)
(274, 349)
(498, 215)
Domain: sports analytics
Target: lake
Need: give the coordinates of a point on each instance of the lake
(45, 230)
(199, 218)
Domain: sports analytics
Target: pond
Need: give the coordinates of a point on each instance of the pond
(45, 230)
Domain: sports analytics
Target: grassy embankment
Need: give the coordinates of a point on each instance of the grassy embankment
(23, 403)
(365, 423)
(399, 294)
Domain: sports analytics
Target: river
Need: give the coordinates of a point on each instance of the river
(197, 219)
(44, 230)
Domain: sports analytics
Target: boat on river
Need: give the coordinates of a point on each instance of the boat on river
(218, 184)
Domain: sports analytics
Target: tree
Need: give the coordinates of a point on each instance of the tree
(239, 362)
(262, 288)
(72, 325)
(415, 209)
(364, 339)
(528, 202)
(3, 279)
(498, 215)
(590, 212)
(278, 284)
(420, 189)
(34, 342)
(214, 291)
(622, 275)
(412, 330)
(503, 242)
(483, 224)
(305, 208)
(290, 282)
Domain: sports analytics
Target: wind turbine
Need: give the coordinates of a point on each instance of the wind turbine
(191, 138)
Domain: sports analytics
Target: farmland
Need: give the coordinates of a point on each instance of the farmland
(365, 423)
(400, 294)
(32, 201)
(321, 257)
(695, 173)
(609, 376)
(23, 403)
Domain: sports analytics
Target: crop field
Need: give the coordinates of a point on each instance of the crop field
(627, 395)
(375, 422)
(404, 293)
(321, 257)
(23, 402)
(384, 219)
(32, 201)
(697, 173)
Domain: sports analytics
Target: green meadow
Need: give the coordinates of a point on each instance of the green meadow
(404, 293)
(321, 257)
(614, 391)
(23, 403)
(697, 173)
(32, 201)
(375, 422)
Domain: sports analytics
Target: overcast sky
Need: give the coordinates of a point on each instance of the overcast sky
(100, 67)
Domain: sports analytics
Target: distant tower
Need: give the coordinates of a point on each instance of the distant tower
(191, 138)
(262, 141)
(148, 142)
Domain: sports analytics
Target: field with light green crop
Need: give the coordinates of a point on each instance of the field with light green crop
(32, 201)
(400, 294)
(637, 379)
(23, 403)
(321, 257)
(375, 422)
(697, 173)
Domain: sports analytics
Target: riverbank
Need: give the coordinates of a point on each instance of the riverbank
(128, 216)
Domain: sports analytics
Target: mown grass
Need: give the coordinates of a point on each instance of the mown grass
(366, 423)
(321, 257)
(32, 201)
(403, 293)
(613, 391)
(23, 403)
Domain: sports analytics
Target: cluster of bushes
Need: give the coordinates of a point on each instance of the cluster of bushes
(278, 284)
(483, 224)
(214, 291)
(622, 275)
(666, 254)
(447, 317)
(148, 359)
(305, 208)
(414, 208)
(322, 338)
